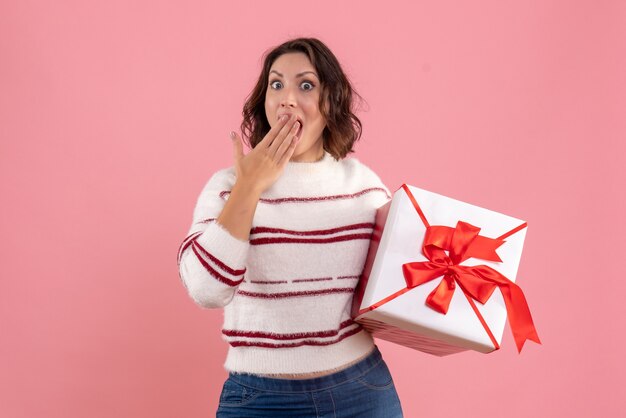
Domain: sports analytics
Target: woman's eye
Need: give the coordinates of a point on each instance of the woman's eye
(273, 83)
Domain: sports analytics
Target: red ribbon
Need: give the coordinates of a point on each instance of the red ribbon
(476, 282)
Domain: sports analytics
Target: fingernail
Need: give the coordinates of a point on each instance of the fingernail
(232, 135)
(283, 117)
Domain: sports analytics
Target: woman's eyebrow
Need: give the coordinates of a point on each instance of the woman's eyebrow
(297, 75)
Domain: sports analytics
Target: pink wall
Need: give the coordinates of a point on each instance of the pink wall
(114, 114)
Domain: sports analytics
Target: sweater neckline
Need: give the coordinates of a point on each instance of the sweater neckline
(299, 170)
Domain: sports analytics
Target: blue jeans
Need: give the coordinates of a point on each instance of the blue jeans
(363, 390)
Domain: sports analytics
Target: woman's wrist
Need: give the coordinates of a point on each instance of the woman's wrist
(246, 187)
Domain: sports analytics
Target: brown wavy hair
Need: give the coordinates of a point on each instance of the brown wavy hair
(343, 128)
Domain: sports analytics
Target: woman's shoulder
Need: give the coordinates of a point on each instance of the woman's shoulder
(366, 177)
(362, 169)
(221, 179)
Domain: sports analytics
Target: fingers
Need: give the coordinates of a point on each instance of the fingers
(288, 152)
(237, 146)
(282, 125)
(288, 144)
(283, 138)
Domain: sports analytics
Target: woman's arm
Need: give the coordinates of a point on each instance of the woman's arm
(212, 258)
(239, 210)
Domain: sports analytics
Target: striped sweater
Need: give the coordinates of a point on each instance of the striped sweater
(287, 291)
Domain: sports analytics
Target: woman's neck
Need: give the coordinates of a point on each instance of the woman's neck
(310, 156)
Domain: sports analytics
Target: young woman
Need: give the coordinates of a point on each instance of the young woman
(279, 240)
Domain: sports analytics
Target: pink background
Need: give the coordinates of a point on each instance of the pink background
(114, 114)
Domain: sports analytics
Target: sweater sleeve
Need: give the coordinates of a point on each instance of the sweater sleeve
(211, 261)
(388, 196)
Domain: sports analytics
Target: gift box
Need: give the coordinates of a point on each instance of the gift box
(440, 276)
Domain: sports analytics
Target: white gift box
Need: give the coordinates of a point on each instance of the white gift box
(385, 305)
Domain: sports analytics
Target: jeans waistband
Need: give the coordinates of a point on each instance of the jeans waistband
(307, 385)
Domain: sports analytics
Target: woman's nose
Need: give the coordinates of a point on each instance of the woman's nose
(289, 97)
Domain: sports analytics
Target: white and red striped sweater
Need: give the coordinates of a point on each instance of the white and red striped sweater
(287, 291)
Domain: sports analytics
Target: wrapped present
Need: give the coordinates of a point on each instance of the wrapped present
(440, 276)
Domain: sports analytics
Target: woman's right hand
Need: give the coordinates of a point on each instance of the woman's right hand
(264, 164)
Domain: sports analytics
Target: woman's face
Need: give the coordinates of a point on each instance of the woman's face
(294, 87)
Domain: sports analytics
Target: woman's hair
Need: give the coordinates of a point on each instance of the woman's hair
(343, 127)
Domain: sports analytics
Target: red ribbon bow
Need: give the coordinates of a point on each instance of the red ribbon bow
(477, 282)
